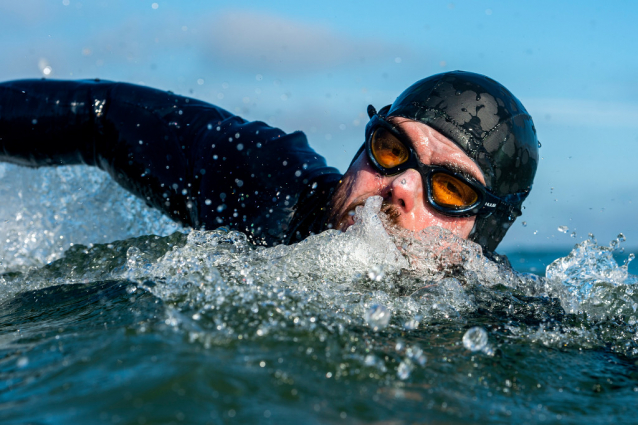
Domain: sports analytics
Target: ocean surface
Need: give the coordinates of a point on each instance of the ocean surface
(110, 313)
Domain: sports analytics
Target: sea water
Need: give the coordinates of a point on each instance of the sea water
(130, 319)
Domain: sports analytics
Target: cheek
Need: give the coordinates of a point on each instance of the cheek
(358, 183)
(461, 226)
(362, 181)
(367, 184)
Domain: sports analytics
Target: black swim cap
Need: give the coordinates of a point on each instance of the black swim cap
(493, 128)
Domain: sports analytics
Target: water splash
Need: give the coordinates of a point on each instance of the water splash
(45, 211)
(218, 288)
(590, 281)
(389, 316)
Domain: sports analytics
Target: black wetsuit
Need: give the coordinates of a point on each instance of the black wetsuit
(199, 164)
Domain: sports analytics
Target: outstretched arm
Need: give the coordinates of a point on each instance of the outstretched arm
(142, 137)
(199, 164)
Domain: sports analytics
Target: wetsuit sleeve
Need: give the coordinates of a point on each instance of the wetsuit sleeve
(261, 181)
(140, 136)
(199, 164)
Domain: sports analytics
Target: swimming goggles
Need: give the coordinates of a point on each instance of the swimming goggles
(450, 193)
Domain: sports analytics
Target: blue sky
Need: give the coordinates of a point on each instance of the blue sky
(314, 66)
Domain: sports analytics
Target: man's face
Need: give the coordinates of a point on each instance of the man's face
(404, 198)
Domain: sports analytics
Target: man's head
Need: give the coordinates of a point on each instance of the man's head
(467, 137)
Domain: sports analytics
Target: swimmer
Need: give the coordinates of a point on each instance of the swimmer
(455, 150)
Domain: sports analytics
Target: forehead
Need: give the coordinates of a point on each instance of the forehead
(433, 148)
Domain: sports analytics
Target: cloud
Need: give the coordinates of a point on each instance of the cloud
(275, 43)
(580, 112)
(243, 41)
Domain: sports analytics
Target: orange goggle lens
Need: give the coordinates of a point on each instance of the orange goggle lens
(448, 191)
(388, 150)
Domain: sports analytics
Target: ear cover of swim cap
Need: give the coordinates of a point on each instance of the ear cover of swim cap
(493, 128)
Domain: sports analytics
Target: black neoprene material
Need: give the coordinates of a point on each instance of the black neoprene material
(493, 128)
(199, 164)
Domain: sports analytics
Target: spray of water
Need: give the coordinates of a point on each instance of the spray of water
(355, 291)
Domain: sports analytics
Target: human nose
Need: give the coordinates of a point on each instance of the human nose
(406, 190)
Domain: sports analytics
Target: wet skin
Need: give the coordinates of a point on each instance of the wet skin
(404, 192)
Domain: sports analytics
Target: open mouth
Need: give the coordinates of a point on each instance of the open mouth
(347, 218)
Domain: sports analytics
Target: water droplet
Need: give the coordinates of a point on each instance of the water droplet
(376, 273)
(404, 369)
(412, 324)
(475, 339)
(573, 235)
(524, 224)
(378, 316)
(415, 354)
(421, 360)
(539, 144)
(478, 97)
(563, 229)
(458, 92)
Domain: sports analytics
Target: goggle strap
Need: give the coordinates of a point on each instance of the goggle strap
(507, 203)
(490, 204)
